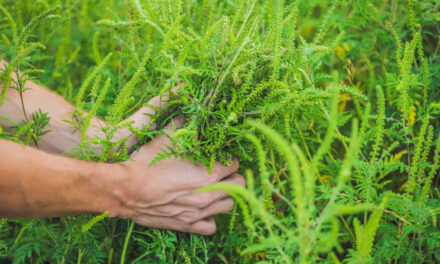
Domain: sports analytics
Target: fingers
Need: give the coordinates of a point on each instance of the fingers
(219, 207)
(192, 217)
(204, 227)
(235, 178)
(161, 141)
(143, 115)
(177, 122)
(203, 200)
(162, 99)
(221, 171)
(191, 202)
(177, 87)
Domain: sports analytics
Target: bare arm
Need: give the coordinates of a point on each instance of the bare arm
(38, 184)
(63, 136)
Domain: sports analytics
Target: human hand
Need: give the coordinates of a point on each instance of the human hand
(163, 196)
(142, 117)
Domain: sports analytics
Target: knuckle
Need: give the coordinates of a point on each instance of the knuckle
(195, 215)
(204, 200)
(190, 217)
(186, 219)
(163, 211)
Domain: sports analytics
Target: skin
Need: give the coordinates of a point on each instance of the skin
(42, 183)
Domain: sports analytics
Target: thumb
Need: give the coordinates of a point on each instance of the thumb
(162, 99)
(143, 116)
(170, 129)
(176, 123)
(161, 140)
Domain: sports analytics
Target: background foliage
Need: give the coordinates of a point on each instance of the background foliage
(331, 106)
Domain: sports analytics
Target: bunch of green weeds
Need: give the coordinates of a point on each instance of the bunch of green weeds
(330, 105)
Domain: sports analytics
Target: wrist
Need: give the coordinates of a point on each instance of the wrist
(108, 185)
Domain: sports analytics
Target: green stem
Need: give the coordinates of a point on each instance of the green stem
(48, 231)
(348, 228)
(127, 238)
(80, 254)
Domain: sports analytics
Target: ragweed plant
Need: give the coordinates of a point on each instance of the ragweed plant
(331, 107)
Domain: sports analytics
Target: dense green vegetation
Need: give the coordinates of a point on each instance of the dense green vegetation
(331, 106)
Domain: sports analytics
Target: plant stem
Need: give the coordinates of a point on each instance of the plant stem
(80, 254)
(20, 88)
(48, 231)
(127, 238)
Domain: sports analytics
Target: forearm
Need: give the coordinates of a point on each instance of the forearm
(63, 136)
(38, 184)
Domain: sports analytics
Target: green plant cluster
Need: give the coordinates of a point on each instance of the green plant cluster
(331, 106)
